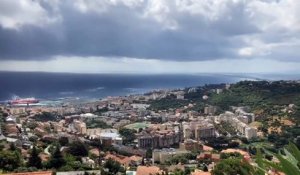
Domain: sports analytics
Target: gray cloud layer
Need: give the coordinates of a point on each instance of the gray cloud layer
(182, 30)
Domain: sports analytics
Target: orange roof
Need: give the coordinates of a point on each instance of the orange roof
(123, 159)
(148, 170)
(32, 173)
(207, 148)
(215, 156)
(136, 158)
(199, 172)
(111, 156)
(95, 151)
(45, 157)
(270, 172)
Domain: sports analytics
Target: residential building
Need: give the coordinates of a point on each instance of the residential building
(80, 126)
(17, 110)
(162, 155)
(250, 132)
(191, 145)
(204, 132)
(159, 138)
(210, 110)
(148, 170)
(110, 136)
(32, 173)
(209, 155)
(198, 130)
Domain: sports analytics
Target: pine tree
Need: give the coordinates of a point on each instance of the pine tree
(143, 161)
(34, 159)
(56, 160)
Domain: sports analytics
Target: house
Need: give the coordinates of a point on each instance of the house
(16, 142)
(130, 172)
(209, 155)
(96, 172)
(89, 162)
(10, 119)
(124, 160)
(45, 157)
(162, 155)
(94, 151)
(148, 170)
(32, 173)
(199, 172)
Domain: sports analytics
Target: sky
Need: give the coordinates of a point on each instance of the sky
(150, 36)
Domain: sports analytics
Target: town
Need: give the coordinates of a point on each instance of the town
(140, 134)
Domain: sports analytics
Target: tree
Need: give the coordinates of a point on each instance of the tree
(78, 149)
(10, 160)
(149, 153)
(128, 135)
(178, 172)
(187, 170)
(205, 169)
(63, 141)
(232, 166)
(46, 116)
(12, 147)
(56, 160)
(231, 155)
(34, 159)
(143, 161)
(113, 166)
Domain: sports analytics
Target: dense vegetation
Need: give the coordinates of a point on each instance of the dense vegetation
(113, 167)
(128, 135)
(268, 100)
(94, 123)
(47, 116)
(2, 121)
(258, 94)
(232, 166)
(78, 149)
(169, 102)
(10, 160)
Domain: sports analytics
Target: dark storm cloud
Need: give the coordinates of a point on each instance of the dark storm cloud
(124, 31)
(120, 33)
(29, 43)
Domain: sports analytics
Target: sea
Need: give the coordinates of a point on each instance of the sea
(50, 86)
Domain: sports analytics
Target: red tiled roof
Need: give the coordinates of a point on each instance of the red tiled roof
(95, 151)
(148, 170)
(123, 159)
(207, 148)
(199, 172)
(32, 173)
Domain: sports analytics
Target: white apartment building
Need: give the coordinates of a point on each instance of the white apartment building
(250, 132)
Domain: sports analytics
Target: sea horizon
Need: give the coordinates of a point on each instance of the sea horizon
(49, 85)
